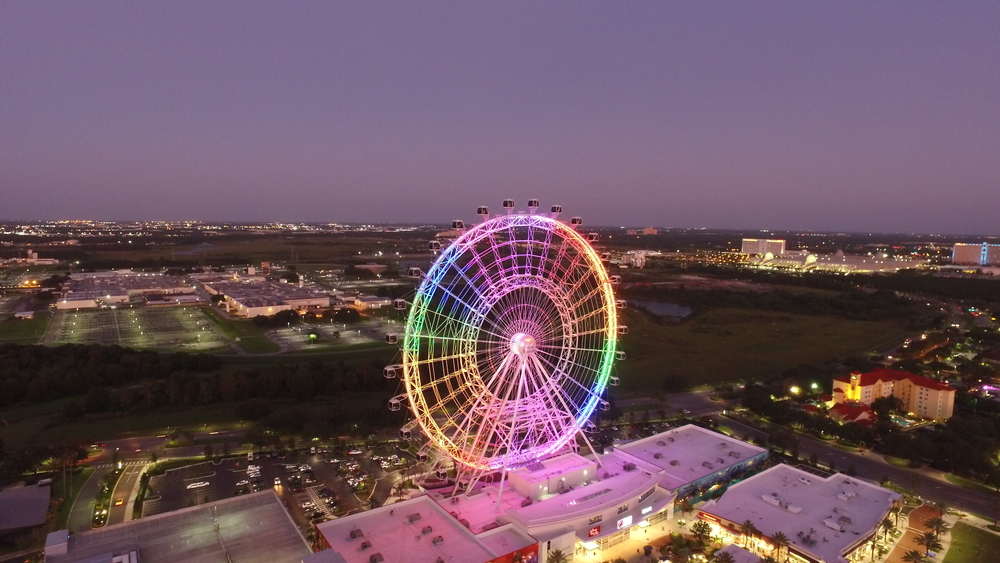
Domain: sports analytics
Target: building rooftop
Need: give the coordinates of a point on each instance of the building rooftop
(689, 453)
(417, 529)
(541, 472)
(886, 374)
(739, 554)
(24, 507)
(823, 517)
(253, 528)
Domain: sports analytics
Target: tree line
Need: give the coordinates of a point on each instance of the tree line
(853, 305)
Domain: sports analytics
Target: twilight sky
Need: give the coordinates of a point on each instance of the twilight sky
(859, 116)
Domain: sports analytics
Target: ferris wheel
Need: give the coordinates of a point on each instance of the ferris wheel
(510, 340)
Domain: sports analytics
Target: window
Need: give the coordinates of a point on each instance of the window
(596, 519)
(622, 508)
(647, 494)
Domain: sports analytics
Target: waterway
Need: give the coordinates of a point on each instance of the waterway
(662, 308)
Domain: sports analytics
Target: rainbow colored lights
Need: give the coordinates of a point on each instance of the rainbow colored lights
(509, 342)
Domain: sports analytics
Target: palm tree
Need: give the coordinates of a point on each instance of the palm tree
(723, 557)
(914, 556)
(887, 527)
(557, 556)
(937, 526)
(749, 530)
(929, 542)
(942, 507)
(780, 541)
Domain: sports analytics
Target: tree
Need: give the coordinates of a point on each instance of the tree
(885, 407)
(780, 541)
(209, 451)
(887, 527)
(942, 507)
(749, 531)
(701, 531)
(723, 557)
(153, 457)
(914, 556)
(557, 556)
(686, 507)
(929, 542)
(937, 526)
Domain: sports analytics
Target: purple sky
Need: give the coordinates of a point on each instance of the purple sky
(863, 116)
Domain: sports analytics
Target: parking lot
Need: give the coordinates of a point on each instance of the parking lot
(178, 328)
(333, 334)
(312, 486)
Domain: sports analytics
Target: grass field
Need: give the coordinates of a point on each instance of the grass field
(972, 545)
(252, 339)
(76, 482)
(730, 344)
(168, 329)
(971, 485)
(24, 331)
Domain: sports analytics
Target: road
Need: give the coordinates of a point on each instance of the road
(929, 485)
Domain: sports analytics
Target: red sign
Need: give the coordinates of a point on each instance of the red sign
(594, 532)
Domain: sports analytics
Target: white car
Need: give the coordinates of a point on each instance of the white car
(277, 481)
(198, 485)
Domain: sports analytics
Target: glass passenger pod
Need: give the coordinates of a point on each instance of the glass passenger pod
(592, 237)
(508, 205)
(391, 338)
(396, 402)
(391, 372)
(575, 222)
(533, 205)
(620, 356)
(589, 427)
(616, 279)
(434, 246)
(620, 303)
(556, 210)
(605, 256)
(414, 272)
(399, 304)
(483, 211)
(614, 381)
(458, 224)
(442, 474)
(604, 405)
(622, 329)
(405, 434)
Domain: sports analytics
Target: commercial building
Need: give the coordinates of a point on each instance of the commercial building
(23, 508)
(253, 528)
(251, 298)
(91, 290)
(760, 247)
(826, 520)
(568, 502)
(922, 396)
(363, 302)
(420, 529)
(983, 254)
(836, 262)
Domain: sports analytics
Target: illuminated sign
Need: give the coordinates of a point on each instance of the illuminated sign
(625, 522)
(594, 532)
(647, 510)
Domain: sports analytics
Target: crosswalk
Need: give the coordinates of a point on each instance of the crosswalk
(124, 463)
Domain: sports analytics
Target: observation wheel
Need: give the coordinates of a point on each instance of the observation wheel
(510, 340)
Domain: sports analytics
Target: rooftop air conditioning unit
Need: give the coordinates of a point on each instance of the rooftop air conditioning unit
(376, 558)
(413, 517)
(629, 467)
(657, 455)
(426, 530)
(365, 545)
(438, 540)
(356, 533)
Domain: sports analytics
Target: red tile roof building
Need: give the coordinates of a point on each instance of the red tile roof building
(922, 396)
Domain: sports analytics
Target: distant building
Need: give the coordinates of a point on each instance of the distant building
(759, 246)
(23, 508)
(920, 395)
(373, 268)
(363, 302)
(976, 254)
(646, 231)
(826, 520)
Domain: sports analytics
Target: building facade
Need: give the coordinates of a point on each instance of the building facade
(922, 396)
(976, 254)
(759, 246)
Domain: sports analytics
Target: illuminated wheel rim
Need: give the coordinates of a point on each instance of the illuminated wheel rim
(509, 342)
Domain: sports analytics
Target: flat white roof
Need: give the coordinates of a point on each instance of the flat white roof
(822, 517)
(400, 536)
(689, 453)
(550, 468)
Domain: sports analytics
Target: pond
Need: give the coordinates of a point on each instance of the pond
(662, 308)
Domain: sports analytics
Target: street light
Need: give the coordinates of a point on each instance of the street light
(794, 389)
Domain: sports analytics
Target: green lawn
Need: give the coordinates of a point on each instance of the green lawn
(896, 461)
(76, 483)
(728, 344)
(972, 485)
(972, 545)
(24, 331)
(252, 338)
